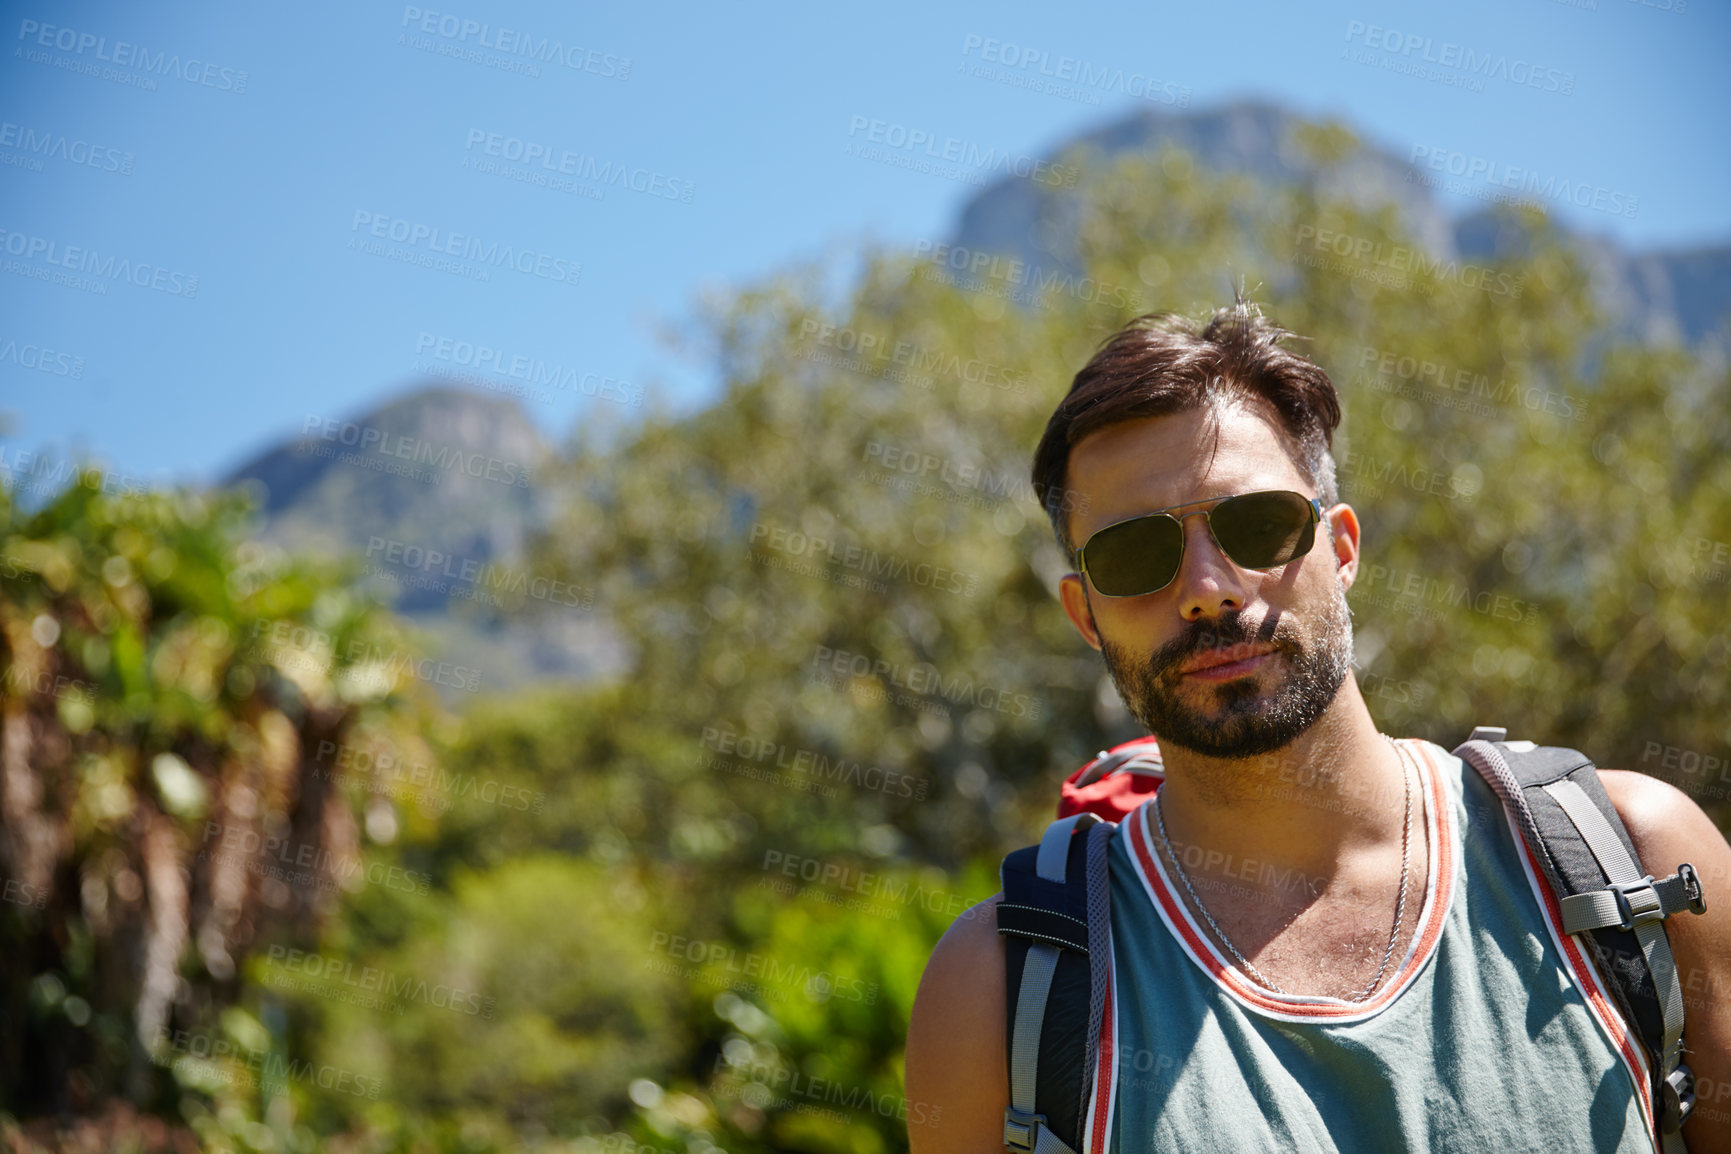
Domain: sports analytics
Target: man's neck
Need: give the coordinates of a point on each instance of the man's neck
(1334, 792)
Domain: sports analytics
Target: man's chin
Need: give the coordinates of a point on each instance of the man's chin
(1242, 726)
(1242, 749)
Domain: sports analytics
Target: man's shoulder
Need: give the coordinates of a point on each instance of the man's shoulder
(955, 1053)
(1664, 823)
(1667, 828)
(1646, 804)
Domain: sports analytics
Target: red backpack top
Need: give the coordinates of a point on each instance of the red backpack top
(1116, 782)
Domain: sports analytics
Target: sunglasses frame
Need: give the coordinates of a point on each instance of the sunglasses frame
(1080, 559)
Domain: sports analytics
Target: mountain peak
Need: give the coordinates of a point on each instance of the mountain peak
(436, 467)
(1683, 294)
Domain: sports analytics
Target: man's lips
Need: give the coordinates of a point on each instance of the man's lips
(1233, 661)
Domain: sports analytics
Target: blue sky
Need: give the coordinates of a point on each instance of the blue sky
(358, 138)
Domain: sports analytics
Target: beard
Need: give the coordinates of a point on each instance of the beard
(1239, 720)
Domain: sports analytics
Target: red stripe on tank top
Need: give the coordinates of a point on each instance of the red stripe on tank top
(1439, 888)
(1587, 979)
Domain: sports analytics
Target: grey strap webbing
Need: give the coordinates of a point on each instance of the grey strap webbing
(1599, 909)
(1632, 900)
(1644, 904)
(1023, 1128)
(1053, 862)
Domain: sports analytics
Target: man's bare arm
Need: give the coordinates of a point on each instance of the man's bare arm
(955, 1057)
(1668, 828)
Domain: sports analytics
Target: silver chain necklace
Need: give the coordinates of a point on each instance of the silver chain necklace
(1399, 905)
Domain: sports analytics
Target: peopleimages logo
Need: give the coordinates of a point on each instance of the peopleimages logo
(296, 648)
(924, 678)
(381, 771)
(724, 960)
(977, 270)
(426, 242)
(41, 359)
(1429, 378)
(248, 1069)
(325, 976)
(556, 161)
(304, 864)
(1067, 76)
(823, 551)
(103, 267)
(36, 145)
(475, 573)
(125, 55)
(723, 739)
(46, 474)
(453, 460)
(976, 162)
(1478, 65)
(1398, 266)
(461, 31)
(1524, 184)
(485, 362)
(911, 463)
(881, 354)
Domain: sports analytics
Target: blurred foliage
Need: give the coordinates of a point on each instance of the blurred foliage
(689, 909)
(167, 689)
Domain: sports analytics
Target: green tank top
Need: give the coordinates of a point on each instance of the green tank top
(1493, 1033)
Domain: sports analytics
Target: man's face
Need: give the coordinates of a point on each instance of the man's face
(1286, 630)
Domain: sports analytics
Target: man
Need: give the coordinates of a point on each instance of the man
(1322, 938)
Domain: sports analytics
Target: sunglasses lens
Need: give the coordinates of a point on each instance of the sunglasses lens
(1134, 557)
(1262, 530)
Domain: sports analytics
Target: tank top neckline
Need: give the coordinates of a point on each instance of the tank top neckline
(1442, 841)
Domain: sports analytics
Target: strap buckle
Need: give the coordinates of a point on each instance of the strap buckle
(1678, 1091)
(1692, 887)
(1637, 903)
(1022, 1130)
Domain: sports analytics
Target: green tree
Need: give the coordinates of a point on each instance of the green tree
(172, 695)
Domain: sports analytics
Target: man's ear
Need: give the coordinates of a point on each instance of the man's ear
(1345, 523)
(1077, 607)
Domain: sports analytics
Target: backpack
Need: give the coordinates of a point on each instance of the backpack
(1055, 913)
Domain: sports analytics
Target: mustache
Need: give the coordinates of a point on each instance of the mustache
(1230, 629)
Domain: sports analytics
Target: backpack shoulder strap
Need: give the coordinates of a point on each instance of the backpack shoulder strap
(1606, 896)
(1055, 920)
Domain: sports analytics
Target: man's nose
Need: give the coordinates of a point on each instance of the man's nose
(1208, 582)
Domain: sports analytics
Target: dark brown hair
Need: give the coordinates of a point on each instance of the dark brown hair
(1159, 365)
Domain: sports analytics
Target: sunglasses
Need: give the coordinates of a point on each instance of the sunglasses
(1143, 554)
